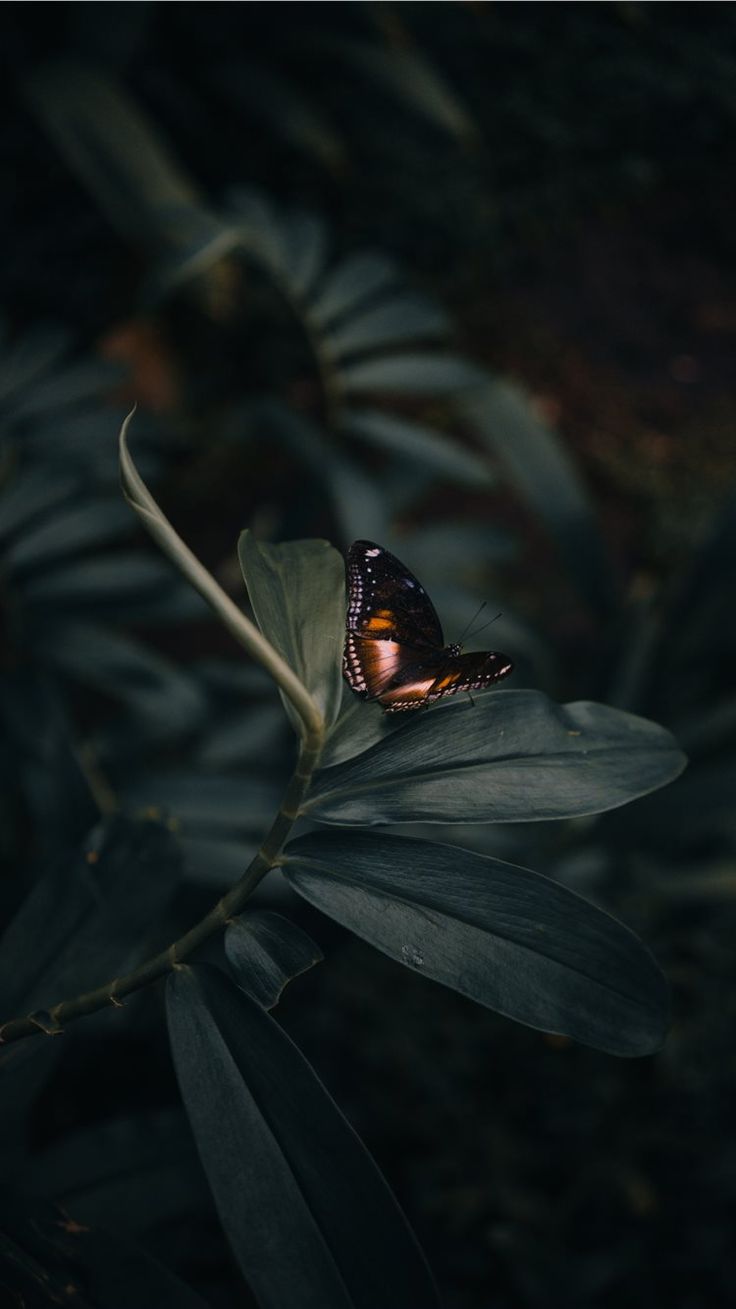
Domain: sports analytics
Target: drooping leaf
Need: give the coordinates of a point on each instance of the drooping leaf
(418, 444)
(31, 493)
(265, 952)
(301, 1201)
(546, 477)
(71, 529)
(503, 935)
(412, 374)
(512, 756)
(129, 576)
(297, 591)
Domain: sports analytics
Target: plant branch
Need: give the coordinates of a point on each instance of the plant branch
(233, 618)
(53, 1021)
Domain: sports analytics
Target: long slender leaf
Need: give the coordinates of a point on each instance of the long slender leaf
(513, 756)
(503, 935)
(404, 317)
(70, 530)
(412, 374)
(546, 477)
(302, 1203)
(418, 444)
(350, 284)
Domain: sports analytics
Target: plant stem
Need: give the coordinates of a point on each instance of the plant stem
(53, 1021)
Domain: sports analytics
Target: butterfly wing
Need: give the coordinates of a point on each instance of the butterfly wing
(413, 688)
(386, 602)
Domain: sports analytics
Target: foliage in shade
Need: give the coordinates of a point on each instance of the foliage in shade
(503, 935)
(47, 1258)
(302, 1203)
(512, 756)
(297, 591)
(265, 951)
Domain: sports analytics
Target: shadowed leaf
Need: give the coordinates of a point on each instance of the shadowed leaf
(503, 935)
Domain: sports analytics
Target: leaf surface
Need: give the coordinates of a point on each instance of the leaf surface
(511, 756)
(302, 1203)
(501, 934)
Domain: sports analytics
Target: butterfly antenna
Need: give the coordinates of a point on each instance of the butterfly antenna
(465, 631)
(485, 625)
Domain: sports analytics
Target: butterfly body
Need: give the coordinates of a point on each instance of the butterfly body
(394, 647)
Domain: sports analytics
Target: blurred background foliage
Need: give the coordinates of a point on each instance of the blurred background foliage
(459, 278)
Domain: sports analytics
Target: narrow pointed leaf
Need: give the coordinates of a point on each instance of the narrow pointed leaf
(265, 952)
(402, 318)
(350, 284)
(512, 756)
(503, 935)
(71, 530)
(297, 591)
(419, 444)
(412, 374)
(545, 475)
(302, 1203)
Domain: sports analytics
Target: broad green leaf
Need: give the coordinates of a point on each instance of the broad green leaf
(350, 284)
(265, 951)
(412, 374)
(503, 935)
(301, 1201)
(297, 591)
(404, 317)
(511, 756)
(540, 467)
(418, 443)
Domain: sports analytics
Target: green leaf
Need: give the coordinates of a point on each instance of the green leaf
(32, 493)
(417, 443)
(512, 756)
(301, 1201)
(404, 317)
(500, 934)
(89, 915)
(545, 475)
(350, 284)
(297, 591)
(129, 576)
(412, 374)
(72, 529)
(265, 952)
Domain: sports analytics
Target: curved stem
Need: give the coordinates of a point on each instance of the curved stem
(53, 1021)
(245, 632)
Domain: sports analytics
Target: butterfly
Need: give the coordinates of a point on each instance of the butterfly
(394, 648)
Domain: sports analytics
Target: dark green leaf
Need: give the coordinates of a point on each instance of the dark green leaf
(89, 916)
(404, 317)
(69, 531)
(265, 951)
(412, 374)
(538, 464)
(512, 756)
(501, 934)
(297, 591)
(303, 1205)
(48, 1258)
(415, 442)
(350, 284)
